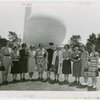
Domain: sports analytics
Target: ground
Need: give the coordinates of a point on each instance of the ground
(43, 86)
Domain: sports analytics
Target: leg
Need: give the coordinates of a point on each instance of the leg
(64, 77)
(3, 76)
(15, 76)
(85, 80)
(94, 81)
(67, 77)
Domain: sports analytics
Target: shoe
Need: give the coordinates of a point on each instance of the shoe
(73, 83)
(94, 87)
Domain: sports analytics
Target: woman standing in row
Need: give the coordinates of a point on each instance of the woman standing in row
(57, 63)
(84, 61)
(41, 61)
(23, 53)
(93, 67)
(6, 62)
(76, 58)
(66, 66)
(31, 61)
(15, 68)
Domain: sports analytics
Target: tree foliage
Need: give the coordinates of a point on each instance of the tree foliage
(75, 40)
(13, 37)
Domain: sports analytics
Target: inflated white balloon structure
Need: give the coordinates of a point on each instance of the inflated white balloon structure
(42, 29)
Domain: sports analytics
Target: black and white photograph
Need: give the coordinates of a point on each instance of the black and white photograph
(50, 46)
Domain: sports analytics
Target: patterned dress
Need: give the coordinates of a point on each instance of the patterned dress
(76, 64)
(85, 58)
(93, 67)
(66, 68)
(41, 60)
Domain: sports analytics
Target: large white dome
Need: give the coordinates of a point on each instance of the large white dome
(43, 29)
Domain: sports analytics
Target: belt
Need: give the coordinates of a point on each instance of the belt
(7, 55)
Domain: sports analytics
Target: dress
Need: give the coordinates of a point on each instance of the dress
(57, 61)
(84, 58)
(23, 61)
(31, 61)
(76, 64)
(50, 56)
(66, 69)
(15, 68)
(93, 67)
(6, 58)
(41, 60)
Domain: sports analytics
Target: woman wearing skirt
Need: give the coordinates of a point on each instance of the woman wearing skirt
(15, 68)
(66, 66)
(31, 62)
(93, 67)
(76, 58)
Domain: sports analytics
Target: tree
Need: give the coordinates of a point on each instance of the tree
(75, 40)
(14, 39)
(98, 43)
(91, 41)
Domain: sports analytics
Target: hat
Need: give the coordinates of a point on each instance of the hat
(24, 44)
(51, 43)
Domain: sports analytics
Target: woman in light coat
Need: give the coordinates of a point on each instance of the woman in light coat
(57, 62)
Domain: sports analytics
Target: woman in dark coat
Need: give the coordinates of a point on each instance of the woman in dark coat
(15, 68)
(23, 61)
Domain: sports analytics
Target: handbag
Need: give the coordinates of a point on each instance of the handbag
(86, 70)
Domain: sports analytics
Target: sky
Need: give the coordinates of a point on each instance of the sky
(82, 18)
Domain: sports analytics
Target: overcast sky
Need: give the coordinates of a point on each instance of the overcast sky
(79, 18)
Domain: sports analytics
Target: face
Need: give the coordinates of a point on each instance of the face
(93, 48)
(66, 47)
(76, 48)
(7, 43)
(32, 47)
(82, 48)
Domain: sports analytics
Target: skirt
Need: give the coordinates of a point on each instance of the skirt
(77, 68)
(66, 69)
(23, 66)
(15, 68)
(93, 72)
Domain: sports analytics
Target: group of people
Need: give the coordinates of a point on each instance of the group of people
(76, 61)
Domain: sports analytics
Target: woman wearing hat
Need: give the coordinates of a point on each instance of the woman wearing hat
(50, 52)
(23, 53)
